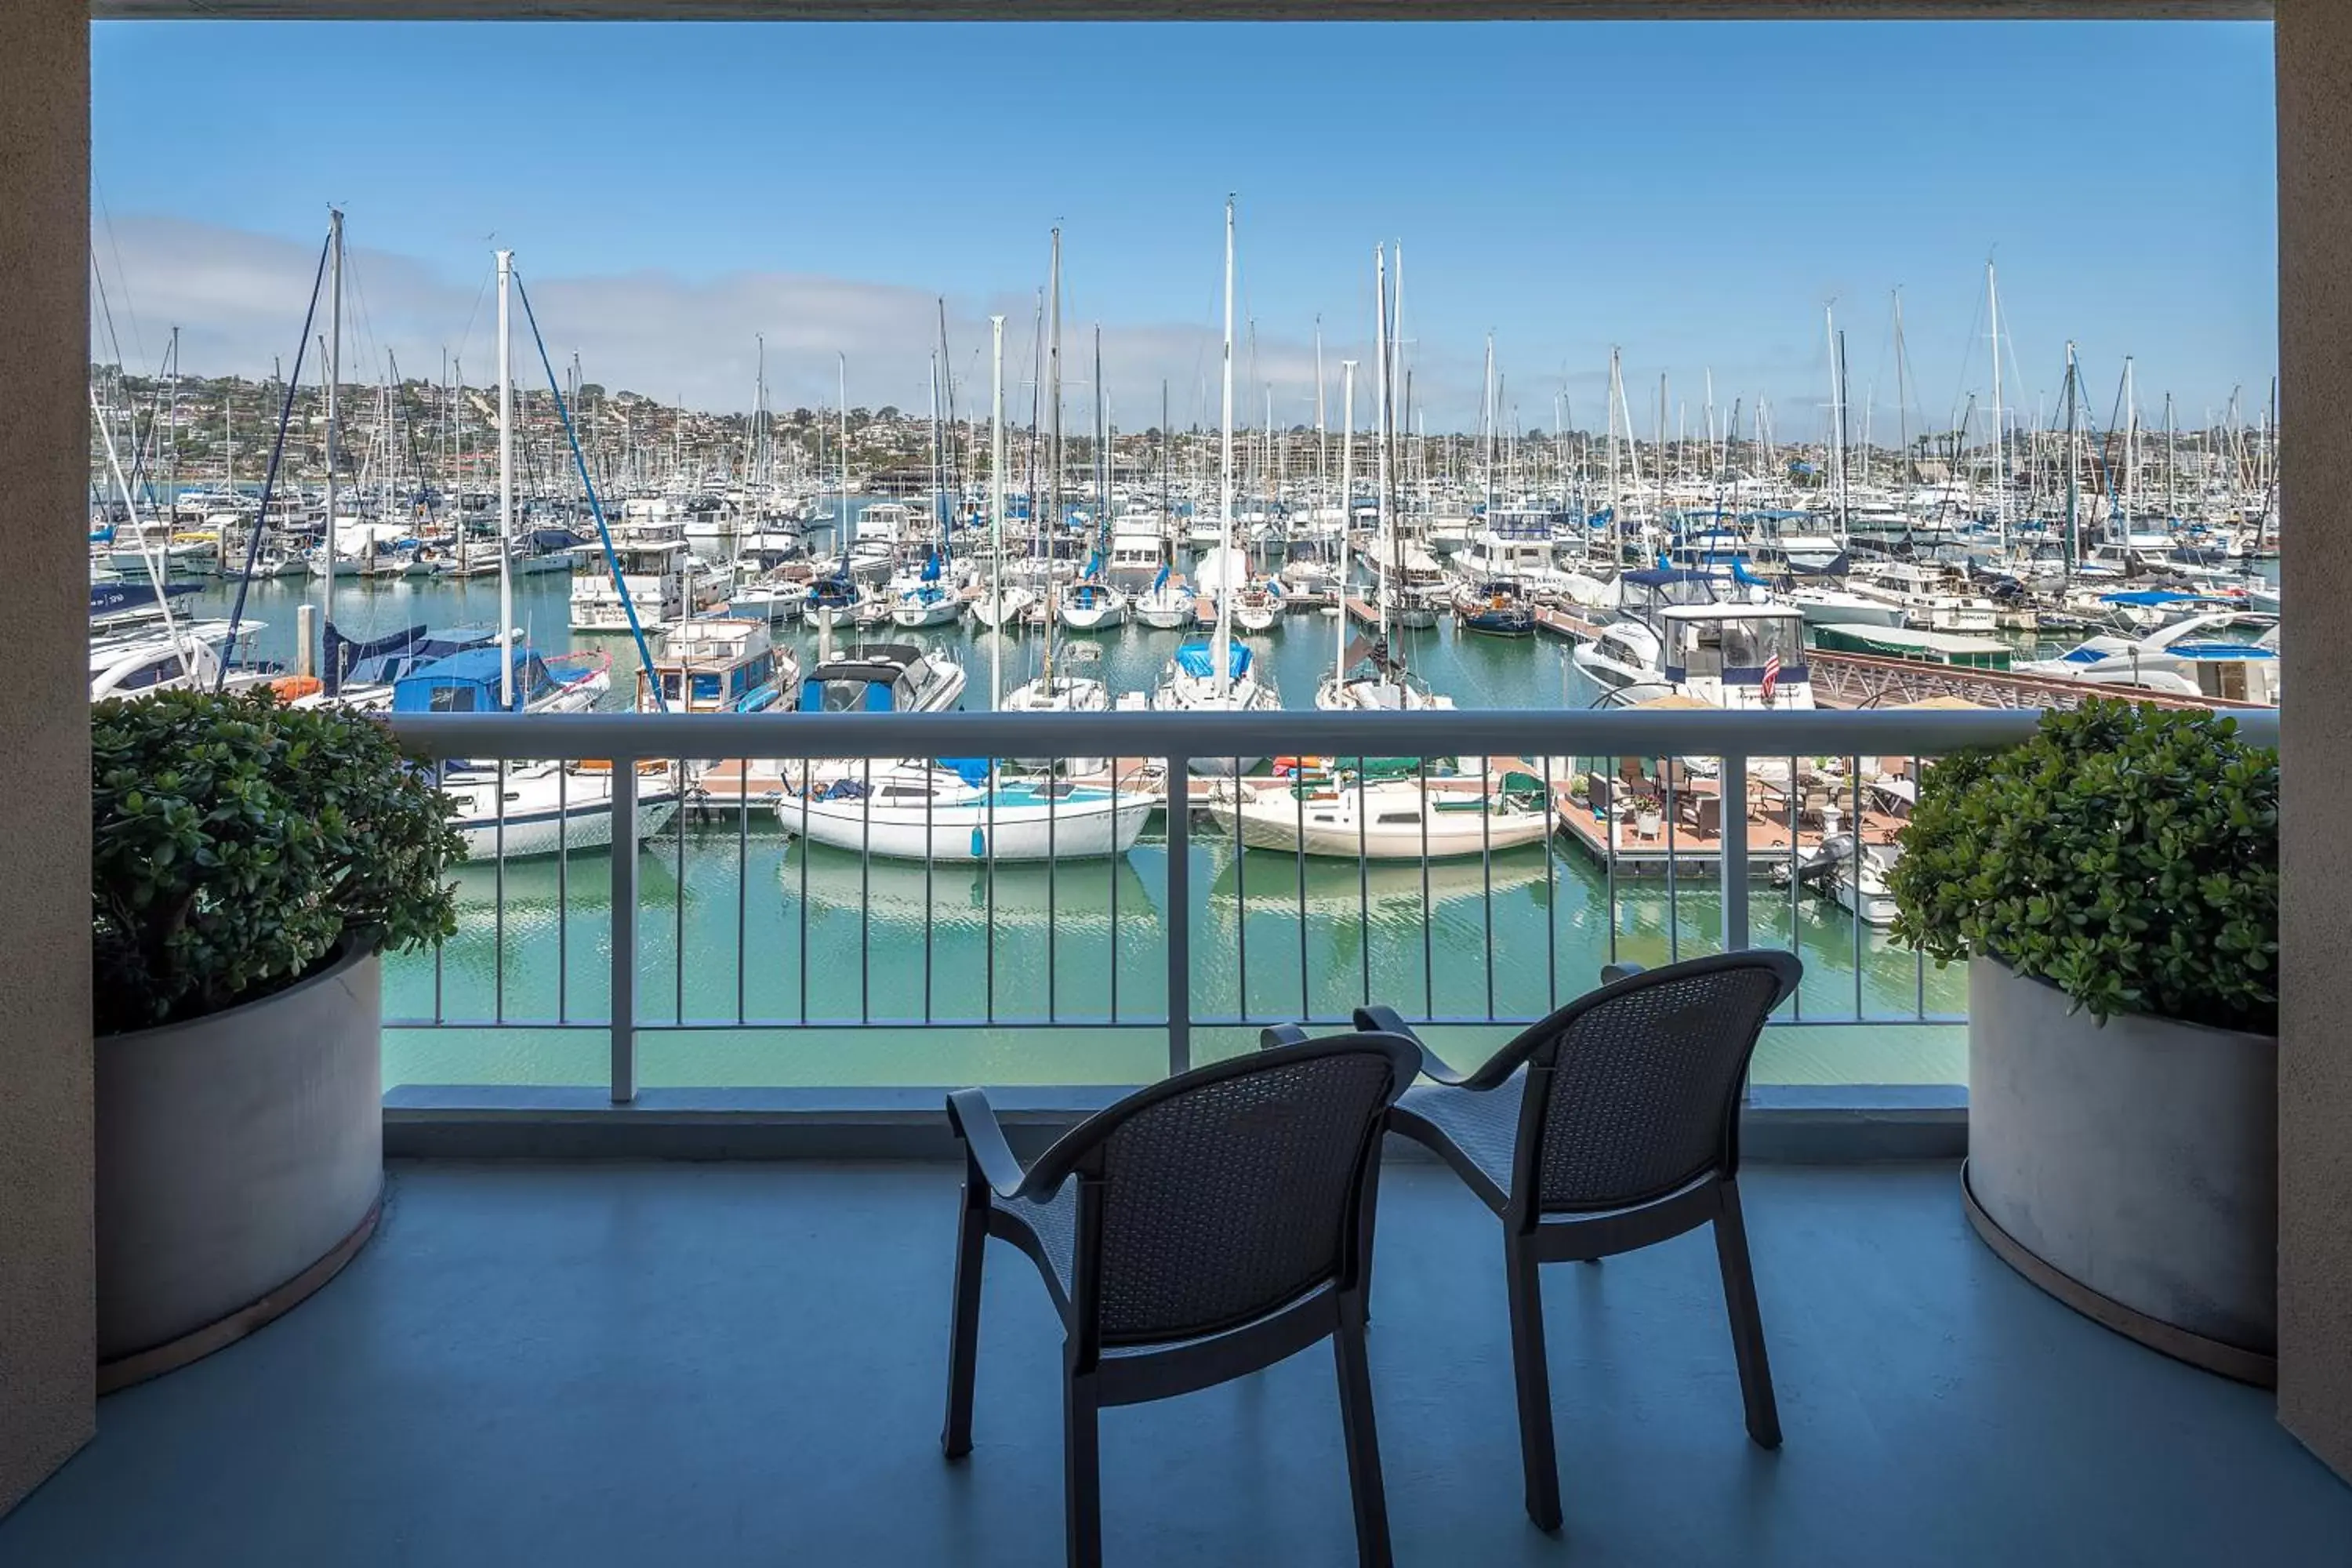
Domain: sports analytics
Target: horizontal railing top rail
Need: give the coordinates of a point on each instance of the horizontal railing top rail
(1505, 731)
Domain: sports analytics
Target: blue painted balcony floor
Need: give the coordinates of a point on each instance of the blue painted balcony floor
(592, 1364)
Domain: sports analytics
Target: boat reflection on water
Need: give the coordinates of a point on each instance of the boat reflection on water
(956, 896)
(1384, 891)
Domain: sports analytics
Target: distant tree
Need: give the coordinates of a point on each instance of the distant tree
(889, 413)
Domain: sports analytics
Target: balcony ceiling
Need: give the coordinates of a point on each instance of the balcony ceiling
(617, 1365)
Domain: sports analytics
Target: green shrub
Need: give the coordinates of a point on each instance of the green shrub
(2128, 856)
(237, 841)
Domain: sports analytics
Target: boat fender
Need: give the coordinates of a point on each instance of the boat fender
(979, 844)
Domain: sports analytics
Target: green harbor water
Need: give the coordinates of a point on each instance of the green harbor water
(761, 961)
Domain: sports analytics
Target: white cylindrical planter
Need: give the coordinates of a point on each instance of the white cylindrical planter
(240, 1161)
(2130, 1168)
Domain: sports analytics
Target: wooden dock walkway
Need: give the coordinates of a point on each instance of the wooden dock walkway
(1696, 853)
(1562, 623)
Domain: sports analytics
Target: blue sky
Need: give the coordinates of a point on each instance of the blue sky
(1694, 193)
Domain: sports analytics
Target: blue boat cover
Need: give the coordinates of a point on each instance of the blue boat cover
(1195, 659)
(2150, 596)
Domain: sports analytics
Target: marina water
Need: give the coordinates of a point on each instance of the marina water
(863, 950)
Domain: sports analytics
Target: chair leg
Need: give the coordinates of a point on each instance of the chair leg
(1082, 1469)
(1746, 1320)
(1537, 1455)
(963, 1327)
(1364, 1487)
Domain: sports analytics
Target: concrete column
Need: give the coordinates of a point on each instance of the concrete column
(46, 1345)
(2314, 43)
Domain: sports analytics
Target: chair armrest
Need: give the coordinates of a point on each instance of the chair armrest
(974, 1121)
(1384, 1020)
(1278, 1035)
(1611, 973)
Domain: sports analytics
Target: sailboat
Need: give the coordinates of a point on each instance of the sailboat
(1220, 675)
(958, 812)
(1369, 675)
(1091, 604)
(1054, 691)
(1167, 606)
(927, 602)
(1002, 607)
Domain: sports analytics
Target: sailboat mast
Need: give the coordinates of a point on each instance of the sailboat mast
(1052, 445)
(1486, 417)
(1322, 449)
(2073, 488)
(334, 374)
(997, 506)
(1903, 395)
(1616, 395)
(2000, 430)
(1384, 531)
(505, 483)
(2131, 449)
(1220, 650)
(1347, 510)
(841, 522)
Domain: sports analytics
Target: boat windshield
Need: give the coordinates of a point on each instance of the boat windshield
(1736, 644)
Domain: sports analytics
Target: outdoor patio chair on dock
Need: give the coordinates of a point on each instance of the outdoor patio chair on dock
(1200, 1229)
(1610, 1125)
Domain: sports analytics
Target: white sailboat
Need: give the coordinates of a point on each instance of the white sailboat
(1167, 606)
(1220, 675)
(923, 813)
(1055, 690)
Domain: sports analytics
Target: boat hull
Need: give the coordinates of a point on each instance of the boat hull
(1072, 830)
(1449, 836)
(583, 825)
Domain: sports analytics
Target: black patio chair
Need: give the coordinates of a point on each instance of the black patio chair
(1202, 1228)
(1612, 1125)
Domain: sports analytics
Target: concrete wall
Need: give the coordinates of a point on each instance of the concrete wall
(2314, 133)
(47, 1348)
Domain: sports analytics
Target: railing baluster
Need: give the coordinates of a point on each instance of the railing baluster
(803, 846)
(1733, 772)
(1113, 861)
(1609, 848)
(1552, 894)
(625, 928)
(1298, 844)
(499, 905)
(1180, 916)
(1674, 887)
(562, 892)
(742, 887)
(1428, 950)
(1486, 867)
(677, 892)
(1854, 888)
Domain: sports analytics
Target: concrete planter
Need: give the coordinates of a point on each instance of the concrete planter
(2131, 1170)
(240, 1161)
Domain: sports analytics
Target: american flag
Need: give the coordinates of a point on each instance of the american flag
(1771, 676)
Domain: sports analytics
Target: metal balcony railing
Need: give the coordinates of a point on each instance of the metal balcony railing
(1678, 831)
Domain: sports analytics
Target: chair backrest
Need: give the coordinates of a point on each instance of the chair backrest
(1633, 1090)
(1227, 1191)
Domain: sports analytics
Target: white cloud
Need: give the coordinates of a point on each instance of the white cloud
(240, 298)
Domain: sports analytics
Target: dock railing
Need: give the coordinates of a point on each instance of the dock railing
(1666, 833)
